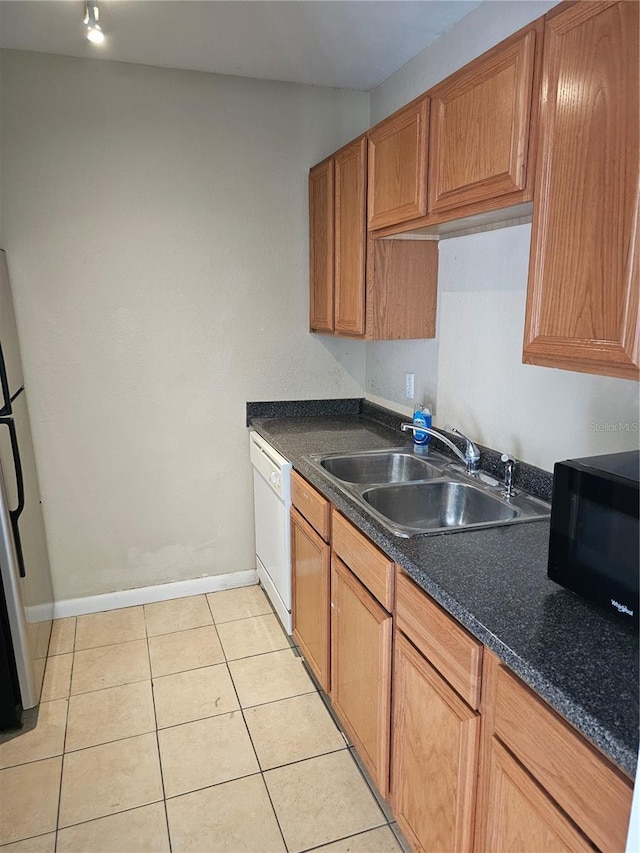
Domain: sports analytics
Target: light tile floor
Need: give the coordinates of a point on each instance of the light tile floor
(186, 725)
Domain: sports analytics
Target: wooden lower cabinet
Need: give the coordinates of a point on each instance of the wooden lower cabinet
(543, 787)
(311, 562)
(434, 756)
(520, 816)
(361, 670)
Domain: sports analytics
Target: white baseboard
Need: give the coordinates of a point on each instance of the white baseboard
(150, 594)
(40, 612)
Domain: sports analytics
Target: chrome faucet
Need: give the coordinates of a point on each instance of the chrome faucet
(509, 465)
(471, 456)
(471, 453)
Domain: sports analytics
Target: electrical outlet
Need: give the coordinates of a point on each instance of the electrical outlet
(409, 391)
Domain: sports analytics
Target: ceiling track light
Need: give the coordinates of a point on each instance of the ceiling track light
(91, 22)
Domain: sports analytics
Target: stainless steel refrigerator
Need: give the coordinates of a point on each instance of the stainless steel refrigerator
(26, 602)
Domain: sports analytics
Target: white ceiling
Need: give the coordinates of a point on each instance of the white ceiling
(353, 44)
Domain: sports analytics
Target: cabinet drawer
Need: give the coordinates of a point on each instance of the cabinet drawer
(311, 504)
(594, 793)
(370, 565)
(453, 651)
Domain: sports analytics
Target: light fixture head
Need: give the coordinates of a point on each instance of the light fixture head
(91, 21)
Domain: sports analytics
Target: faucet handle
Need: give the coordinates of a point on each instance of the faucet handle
(472, 454)
(509, 465)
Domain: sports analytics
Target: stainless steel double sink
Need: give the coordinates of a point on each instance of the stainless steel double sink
(411, 494)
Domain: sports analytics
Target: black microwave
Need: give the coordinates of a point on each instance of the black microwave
(594, 544)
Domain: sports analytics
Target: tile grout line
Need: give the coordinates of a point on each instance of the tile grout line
(66, 729)
(116, 740)
(326, 700)
(155, 717)
(255, 752)
(87, 820)
(379, 799)
(345, 838)
(264, 781)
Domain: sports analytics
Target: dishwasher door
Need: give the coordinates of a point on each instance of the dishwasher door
(272, 504)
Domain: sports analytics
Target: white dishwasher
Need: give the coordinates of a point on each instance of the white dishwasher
(272, 503)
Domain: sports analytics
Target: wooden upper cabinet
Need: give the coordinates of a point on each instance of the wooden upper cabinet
(481, 119)
(350, 231)
(321, 249)
(360, 287)
(398, 166)
(582, 301)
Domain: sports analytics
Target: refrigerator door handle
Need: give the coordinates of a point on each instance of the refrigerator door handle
(5, 393)
(15, 514)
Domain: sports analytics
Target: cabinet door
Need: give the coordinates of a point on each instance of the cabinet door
(520, 816)
(582, 301)
(480, 119)
(398, 166)
(350, 204)
(361, 670)
(310, 563)
(321, 246)
(434, 756)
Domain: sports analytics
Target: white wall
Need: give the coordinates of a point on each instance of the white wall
(155, 223)
(538, 414)
(485, 26)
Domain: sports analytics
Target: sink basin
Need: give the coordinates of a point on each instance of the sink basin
(380, 467)
(411, 494)
(440, 505)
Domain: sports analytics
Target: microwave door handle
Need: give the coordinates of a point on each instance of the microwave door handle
(15, 514)
(5, 393)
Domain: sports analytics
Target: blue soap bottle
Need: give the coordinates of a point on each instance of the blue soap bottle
(421, 417)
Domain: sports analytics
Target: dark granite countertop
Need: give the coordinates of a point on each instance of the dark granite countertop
(581, 660)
